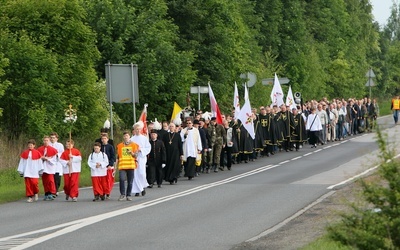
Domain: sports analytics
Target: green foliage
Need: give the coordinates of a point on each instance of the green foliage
(51, 53)
(140, 32)
(376, 224)
(325, 243)
(221, 35)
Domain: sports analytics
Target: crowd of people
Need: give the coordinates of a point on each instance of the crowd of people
(191, 147)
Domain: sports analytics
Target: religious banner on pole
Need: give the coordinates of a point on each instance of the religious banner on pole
(277, 93)
(236, 103)
(290, 99)
(245, 116)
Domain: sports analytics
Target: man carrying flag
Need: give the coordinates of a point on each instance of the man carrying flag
(246, 131)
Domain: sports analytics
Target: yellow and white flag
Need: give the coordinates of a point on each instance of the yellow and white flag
(176, 113)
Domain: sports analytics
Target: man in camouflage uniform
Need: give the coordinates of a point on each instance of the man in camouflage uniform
(218, 140)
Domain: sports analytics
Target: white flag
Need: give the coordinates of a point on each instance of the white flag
(290, 99)
(245, 117)
(277, 93)
(246, 92)
(236, 103)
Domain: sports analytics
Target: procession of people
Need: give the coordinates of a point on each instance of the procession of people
(193, 146)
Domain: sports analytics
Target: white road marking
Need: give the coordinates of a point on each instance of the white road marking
(77, 224)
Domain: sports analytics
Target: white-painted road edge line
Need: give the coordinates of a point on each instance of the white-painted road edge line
(358, 176)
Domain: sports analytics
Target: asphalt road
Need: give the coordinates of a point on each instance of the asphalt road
(213, 211)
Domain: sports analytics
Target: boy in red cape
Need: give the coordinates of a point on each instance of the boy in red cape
(30, 167)
(49, 158)
(71, 160)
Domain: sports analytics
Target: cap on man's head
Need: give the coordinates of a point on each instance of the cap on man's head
(213, 118)
(196, 122)
(202, 120)
(153, 131)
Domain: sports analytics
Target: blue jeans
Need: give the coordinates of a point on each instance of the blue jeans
(396, 115)
(126, 175)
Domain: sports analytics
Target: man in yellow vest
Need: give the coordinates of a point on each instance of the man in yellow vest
(396, 108)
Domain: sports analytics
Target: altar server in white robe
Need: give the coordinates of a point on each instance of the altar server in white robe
(140, 180)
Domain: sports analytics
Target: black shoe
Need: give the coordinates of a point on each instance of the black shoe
(150, 186)
(176, 180)
(189, 178)
(221, 168)
(229, 168)
(102, 197)
(171, 182)
(137, 194)
(96, 198)
(143, 192)
(159, 186)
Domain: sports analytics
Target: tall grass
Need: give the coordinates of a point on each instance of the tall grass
(326, 244)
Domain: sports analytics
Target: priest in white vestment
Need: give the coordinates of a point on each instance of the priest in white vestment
(139, 180)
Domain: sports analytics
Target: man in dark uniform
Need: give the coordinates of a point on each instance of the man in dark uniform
(299, 132)
(174, 154)
(286, 126)
(156, 160)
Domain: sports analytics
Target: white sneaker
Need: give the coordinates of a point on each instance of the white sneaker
(122, 198)
(30, 200)
(74, 199)
(36, 197)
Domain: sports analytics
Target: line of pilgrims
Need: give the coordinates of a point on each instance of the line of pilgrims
(172, 150)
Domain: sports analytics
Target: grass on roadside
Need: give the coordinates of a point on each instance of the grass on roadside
(325, 243)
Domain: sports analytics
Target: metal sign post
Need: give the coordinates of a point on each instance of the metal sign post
(370, 74)
(199, 90)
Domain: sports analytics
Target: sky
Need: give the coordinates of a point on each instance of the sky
(381, 10)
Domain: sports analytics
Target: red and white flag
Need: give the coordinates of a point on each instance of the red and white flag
(236, 103)
(277, 93)
(143, 119)
(214, 105)
(245, 116)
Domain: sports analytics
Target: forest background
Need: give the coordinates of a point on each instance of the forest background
(53, 53)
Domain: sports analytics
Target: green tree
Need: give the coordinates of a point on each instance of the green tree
(4, 84)
(221, 35)
(140, 32)
(51, 53)
(375, 223)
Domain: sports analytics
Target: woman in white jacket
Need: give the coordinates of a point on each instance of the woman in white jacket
(314, 127)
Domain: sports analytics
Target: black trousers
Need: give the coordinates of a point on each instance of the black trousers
(154, 173)
(57, 180)
(226, 157)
